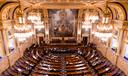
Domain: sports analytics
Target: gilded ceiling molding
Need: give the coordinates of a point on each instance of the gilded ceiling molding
(114, 11)
(100, 10)
(70, 5)
(14, 11)
(6, 3)
(62, 5)
(122, 7)
(111, 12)
(7, 12)
(10, 5)
(4, 9)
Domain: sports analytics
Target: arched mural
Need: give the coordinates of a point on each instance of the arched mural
(62, 22)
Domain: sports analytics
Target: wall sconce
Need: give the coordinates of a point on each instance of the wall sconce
(46, 32)
(79, 32)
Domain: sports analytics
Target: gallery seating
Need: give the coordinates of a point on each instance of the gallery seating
(24, 65)
(101, 65)
(70, 40)
(63, 41)
(55, 41)
(57, 61)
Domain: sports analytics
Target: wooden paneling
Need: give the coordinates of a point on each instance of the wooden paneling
(111, 56)
(13, 57)
(4, 64)
(123, 64)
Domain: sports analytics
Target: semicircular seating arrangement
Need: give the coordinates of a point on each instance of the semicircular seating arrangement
(25, 64)
(101, 65)
(58, 61)
(64, 64)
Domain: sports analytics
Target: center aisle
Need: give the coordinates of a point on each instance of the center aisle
(64, 63)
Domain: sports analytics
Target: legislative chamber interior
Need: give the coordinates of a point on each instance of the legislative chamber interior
(63, 37)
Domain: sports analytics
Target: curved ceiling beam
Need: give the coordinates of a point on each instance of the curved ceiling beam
(7, 13)
(116, 10)
(102, 10)
(11, 5)
(122, 8)
(6, 10)
(115, 4)
(125, 5)
(15, 10)
(6, 3)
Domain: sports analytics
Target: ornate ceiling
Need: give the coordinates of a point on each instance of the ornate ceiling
(119, 7)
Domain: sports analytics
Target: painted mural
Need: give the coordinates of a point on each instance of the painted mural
(63, 22)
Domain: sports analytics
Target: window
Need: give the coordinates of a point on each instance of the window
(114, 44)
(11, 44)
(126, 52)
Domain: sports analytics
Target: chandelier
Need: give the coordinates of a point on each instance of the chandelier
(22, 27)
(106, 25)
(90, 17)
(36, 18)
(21, 22)
(34, 15)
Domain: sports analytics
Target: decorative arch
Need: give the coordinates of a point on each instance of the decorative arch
(7, 10)
(6, 3)
(120, 9)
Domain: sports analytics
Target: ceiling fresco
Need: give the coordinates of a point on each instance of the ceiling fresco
(119, 5)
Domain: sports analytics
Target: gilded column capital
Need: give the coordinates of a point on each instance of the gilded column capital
(125, 23)
(1, 23)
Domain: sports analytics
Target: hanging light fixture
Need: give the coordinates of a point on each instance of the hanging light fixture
(20, 22)
(105, 26)
(19, 14)
(86, 24)
(22, 27)
(91, 16)
(35, 17)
